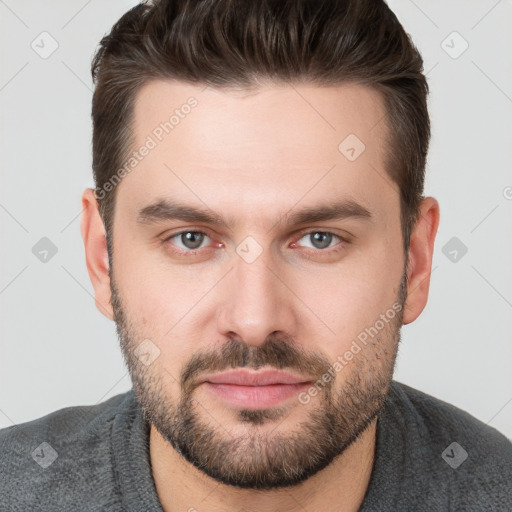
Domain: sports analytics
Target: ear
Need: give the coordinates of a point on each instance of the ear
(421, 249)
(96, 255)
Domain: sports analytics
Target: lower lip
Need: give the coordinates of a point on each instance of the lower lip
(256, 397)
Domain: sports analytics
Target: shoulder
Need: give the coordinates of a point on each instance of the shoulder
(63, 426)
(68, 421)
(65, 450)
(444, 420)
(472, 458)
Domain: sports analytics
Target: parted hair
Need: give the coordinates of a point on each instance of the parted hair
(241, 44)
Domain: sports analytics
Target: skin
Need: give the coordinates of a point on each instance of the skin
(252, 158)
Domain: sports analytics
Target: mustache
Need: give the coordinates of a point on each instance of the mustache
(278, 353)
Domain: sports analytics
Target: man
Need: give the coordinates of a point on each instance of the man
(259, 234)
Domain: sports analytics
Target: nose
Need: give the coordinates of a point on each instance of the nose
(256, 301)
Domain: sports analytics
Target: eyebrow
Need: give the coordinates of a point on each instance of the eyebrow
(167, 209)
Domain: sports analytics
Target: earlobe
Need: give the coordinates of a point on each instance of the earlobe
(421, 249)
(96, 254)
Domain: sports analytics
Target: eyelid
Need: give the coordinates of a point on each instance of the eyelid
(188, 230)
(346, 236)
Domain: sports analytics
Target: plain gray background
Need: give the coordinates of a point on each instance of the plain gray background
(57, 350)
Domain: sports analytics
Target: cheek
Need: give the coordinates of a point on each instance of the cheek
(352, 299)
(152, 290)
(165, 306)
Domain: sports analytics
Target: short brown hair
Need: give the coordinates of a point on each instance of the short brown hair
(237, 44)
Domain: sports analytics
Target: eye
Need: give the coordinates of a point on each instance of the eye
(190, 240)
(322, 240)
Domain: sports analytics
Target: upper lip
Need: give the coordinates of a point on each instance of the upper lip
(255, 378)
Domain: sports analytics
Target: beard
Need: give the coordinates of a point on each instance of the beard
(264, 458)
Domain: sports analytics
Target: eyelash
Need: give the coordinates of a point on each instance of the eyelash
(336, 248)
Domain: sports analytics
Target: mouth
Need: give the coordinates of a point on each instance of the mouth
(255, 389)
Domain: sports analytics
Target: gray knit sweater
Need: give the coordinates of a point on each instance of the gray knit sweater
(430, 456)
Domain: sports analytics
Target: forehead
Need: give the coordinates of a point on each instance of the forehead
(279, 115)
(271, 146)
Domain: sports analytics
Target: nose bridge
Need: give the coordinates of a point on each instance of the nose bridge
(256, 300)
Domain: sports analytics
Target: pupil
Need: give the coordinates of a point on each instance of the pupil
(190, 238)
(325, 236)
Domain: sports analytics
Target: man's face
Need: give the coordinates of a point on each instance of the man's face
(319, 298)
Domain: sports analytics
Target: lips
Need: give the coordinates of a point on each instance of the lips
(255, 378)
(252, 390)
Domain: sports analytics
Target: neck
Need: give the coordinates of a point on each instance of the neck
(341, 486)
